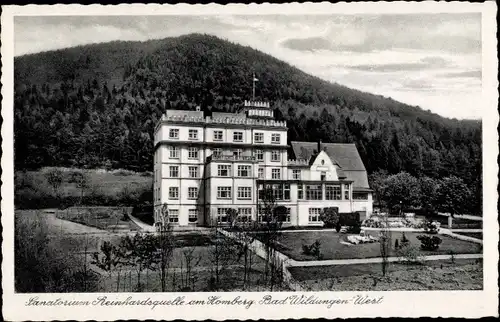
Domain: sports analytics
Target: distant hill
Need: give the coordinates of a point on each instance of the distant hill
(96, 106)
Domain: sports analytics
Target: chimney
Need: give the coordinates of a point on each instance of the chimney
(319, 146)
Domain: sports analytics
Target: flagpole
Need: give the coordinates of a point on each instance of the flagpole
(253, 87)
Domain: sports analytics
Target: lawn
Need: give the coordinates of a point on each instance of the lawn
(113, 219)
(434, 275)
(331, 248)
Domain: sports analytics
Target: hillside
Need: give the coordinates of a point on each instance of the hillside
(96, 106)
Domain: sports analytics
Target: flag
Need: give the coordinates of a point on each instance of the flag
(255, 79)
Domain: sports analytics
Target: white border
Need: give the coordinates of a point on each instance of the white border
(471, 304)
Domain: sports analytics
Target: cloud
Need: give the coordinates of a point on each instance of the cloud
(465, 74)
(308, 44)
(425, 59)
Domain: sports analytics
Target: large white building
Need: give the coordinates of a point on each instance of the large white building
(204, 165)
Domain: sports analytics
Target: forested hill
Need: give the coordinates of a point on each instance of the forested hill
(96, 106)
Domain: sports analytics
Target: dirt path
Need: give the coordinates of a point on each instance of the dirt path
(294, 263)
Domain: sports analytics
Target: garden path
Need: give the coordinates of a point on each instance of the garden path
(294, 263)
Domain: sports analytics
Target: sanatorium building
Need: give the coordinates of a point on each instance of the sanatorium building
(204, 165)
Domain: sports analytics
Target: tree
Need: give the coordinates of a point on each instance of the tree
(55, 179)
(453, 196)
(139, 253)
(428, 188)
(270, 234)
(165, 245)
(245, 236)
(401, 191)
(232, 216)
(330, 216)
(376, 181)
(385, 244)
(222, 254)
(108, 260)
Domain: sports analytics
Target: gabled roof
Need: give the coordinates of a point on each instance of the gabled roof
(344, 154)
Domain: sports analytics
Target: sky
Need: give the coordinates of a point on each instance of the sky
(429, 60)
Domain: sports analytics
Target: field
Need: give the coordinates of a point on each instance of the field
(331, 248)
(434, 275)
(102, 188)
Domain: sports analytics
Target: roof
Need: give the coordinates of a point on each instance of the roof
(222, 115)
(344, 154)
(182, 113)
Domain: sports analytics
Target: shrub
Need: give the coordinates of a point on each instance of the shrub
(404, 240)
(330, 216)
(313, 250)
(349, 219)
(396, 244)
(409, 253)
(429, 242)
(431, 227)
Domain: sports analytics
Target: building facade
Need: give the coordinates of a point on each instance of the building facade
(204, 165)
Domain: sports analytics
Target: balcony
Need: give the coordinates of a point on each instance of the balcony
(221, 157)
(298, 162)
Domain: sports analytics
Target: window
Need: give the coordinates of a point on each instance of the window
(173, 152)
(285, 217)
(332, 192)
(237, 153)
(275, 156)
(276, 173)
(296, 174)
(193, 153)
(244, 193)
(261, 173)
(314, 214)
(193, 172)
(222, 215)
(238, 136)
(314, 192)
(300, 192)
(258, 137)
(193, 134)
(244, 171)
(346, 191)
(223, 192)
(359, 196)
(223, 170)
(217, 151)
(286, 191)
(244, 214)
(217, 135)
(174, 171)
(173, 193)
(173, 216)
(173, 133)
(193, 216)
(259, 155)
(323, 175)
(192, 193)
(280, 191)
(275, 138)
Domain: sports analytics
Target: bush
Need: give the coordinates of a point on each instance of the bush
(396, 244)
(431, 227)
(313, 250)
(429, 242)
(409, 253)
(349, 219)
(404, 240)
(330, 216)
